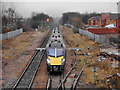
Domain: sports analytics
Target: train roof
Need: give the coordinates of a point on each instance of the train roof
(56, 45)
(56, 39)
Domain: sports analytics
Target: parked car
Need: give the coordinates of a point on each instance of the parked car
(110, 26)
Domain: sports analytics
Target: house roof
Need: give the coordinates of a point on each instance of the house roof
(105, 16)
(114, 15)
(98, 17)
(118, 16)
(91, 18)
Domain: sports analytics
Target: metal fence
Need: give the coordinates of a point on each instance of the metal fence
(10, 34)
(97, 38)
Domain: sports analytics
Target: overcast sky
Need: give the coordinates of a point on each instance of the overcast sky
(57, 8)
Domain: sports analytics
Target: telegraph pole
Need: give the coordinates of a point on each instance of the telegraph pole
(118, 6)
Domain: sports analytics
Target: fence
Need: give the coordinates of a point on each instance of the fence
(10, 34)
(97, 38)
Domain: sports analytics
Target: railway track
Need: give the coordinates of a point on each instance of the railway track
(54, 81)
(69, 72)
(28, 75)
(80, 73)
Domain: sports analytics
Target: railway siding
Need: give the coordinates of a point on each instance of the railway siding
(104, 68)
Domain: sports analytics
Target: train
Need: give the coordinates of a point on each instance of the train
(56, 51)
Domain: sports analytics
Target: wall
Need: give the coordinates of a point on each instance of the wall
(118, 23)
(103, 30)
(10, 34)
(97, 38)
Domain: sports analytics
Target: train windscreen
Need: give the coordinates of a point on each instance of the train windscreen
(51, 52)
(55, 52)
(59, 52)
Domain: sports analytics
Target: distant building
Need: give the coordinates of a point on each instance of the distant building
(91, 21)
(98, 20)
(117, 23)
(105, 19)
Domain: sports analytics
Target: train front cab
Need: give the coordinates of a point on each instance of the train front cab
(55, 59)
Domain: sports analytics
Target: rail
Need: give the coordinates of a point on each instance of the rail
(28, 75)
(69, 72)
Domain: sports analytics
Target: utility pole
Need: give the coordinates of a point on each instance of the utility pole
(118, 5)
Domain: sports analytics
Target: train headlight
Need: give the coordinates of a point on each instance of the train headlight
(48, 61)
(63, 61)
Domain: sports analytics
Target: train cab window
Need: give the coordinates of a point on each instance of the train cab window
(59, 52)
(51, 52)
(55, 52)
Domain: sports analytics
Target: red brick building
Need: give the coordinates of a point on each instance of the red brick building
(98, 20)
(105, 19)
(117, 23)
(91, 21)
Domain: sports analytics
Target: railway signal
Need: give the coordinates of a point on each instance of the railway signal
(48, 20)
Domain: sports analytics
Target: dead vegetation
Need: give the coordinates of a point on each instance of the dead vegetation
(23, 47)
(103, 68)
(17, 45)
